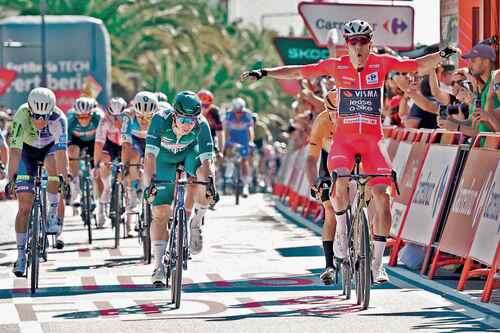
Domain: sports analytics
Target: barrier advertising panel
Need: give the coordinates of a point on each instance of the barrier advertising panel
(428, 200)
(407, 181)
(475, 188)
(487, 234)
(393, 25)
(77, 47)
(299, 50)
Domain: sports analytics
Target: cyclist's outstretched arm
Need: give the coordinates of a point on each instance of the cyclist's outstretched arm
(281, 72)
(428, 62)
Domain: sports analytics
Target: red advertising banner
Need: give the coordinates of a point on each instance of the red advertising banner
(7, 76)
(66, 98)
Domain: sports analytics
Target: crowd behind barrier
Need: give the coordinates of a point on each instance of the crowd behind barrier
(449, 202)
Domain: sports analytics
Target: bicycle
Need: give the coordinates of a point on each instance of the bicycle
(357, 264)
(177, 252)
(87, 203)
(233, 163)
(37, 234)
(117, 206)
(144, 230)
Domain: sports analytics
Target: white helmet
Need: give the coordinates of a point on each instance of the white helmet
(116, 106)
(357, 28)
(161, 97)
(84, 105)
(239, 104)
(41, 101)
(145, 102)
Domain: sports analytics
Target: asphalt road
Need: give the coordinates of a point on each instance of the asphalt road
(257, 273)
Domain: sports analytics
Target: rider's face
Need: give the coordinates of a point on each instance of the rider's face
(183, 126)
(359, 50)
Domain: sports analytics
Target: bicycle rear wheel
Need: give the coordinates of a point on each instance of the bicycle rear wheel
(177, 269)
(346, 279)
(363, 271)
(34, 250)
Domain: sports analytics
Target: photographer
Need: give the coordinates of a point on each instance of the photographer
(482, 59)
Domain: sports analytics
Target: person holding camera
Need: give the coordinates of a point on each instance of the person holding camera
(482, 61)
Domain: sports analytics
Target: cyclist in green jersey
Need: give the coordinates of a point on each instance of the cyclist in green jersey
(83, 120)
(177, 136)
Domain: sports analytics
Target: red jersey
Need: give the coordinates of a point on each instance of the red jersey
(359, 94)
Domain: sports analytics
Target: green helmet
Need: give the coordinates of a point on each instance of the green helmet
(186, 103)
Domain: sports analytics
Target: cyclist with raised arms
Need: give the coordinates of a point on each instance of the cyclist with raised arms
(38, 135)
(134, 129)
(83, 120)
(107, 148)
(178, 136)
(238, 127)
(360, 80)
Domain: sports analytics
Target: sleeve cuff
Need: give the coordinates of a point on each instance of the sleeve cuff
(206, 156)
(152, 150)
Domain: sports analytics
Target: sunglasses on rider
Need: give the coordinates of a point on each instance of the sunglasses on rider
(36, 116)
(358, 40)
(186, 120)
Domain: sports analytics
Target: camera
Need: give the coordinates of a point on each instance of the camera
(443, 111)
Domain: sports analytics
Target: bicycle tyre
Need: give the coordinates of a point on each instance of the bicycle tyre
(115, 197)
(86, 208)
(364, 267)
(177, 272)
(34, 250)
(237, 184)
(43, 227)
(146, 234)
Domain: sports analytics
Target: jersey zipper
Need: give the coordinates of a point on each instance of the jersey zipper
(359, 113)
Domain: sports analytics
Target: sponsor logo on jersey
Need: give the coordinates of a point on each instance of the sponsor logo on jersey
(342, 67)
(372, 78)
(173, 147)
(348, 78)
(374, 66)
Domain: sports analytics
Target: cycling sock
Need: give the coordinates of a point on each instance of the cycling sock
(199, 212)
(53, 200)
(328, 249)
(21, 238)
(159, 247)
(378, 250)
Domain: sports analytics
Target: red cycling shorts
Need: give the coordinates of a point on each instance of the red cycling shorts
(374, 159)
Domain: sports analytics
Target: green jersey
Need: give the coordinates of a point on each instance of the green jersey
(161, 139)
(84, 133)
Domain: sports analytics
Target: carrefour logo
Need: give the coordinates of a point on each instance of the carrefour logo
(395, 26)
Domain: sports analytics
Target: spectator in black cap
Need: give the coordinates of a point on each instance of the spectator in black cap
(482, 62)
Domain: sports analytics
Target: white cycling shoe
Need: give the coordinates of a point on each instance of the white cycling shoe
(159, 276)
(19, 266)
(379, 275)
(328, 275)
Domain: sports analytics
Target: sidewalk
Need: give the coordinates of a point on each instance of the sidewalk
(443, 285)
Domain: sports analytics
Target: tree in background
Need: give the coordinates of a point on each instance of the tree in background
(167, 46)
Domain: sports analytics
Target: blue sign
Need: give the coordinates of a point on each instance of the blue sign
(77, 46)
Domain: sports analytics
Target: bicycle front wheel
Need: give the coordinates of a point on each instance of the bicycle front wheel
(86, 208)
(237, 183)
(116, 202)
(363, 271)
(34, 250)
(146, 233)
(177, 271)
